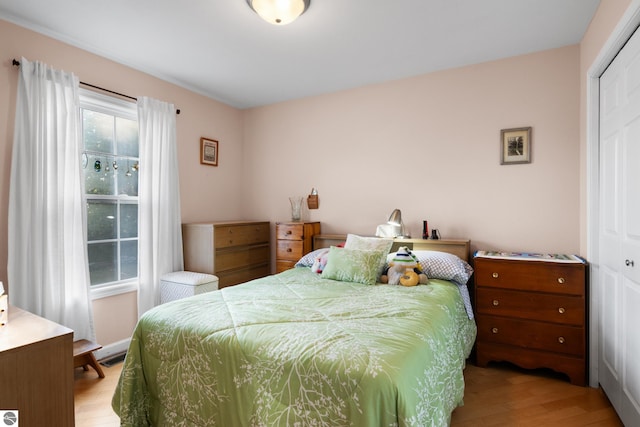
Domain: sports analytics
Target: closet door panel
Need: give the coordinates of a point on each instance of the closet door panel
(631, 347)
(619, 237)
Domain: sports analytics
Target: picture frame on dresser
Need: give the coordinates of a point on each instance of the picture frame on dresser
(209, 152)
(515, 146)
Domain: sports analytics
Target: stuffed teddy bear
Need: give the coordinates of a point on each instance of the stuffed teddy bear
(404, 269)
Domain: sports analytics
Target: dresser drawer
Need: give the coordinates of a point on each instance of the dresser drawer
(554, 308)
(290, 232)
(237, 258)
(282, 265)
(291, 250)
(532, 335)
(531, 276)
(238, 235)
(233, 277)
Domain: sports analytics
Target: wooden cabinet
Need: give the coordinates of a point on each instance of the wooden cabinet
(532, 313)
(293, 240)
(234, 251)
(36, 370)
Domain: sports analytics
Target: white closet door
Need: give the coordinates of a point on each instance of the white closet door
(619, 370)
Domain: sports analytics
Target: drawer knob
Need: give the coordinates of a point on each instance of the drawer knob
(561, 310)
(494, 330)
(289, 232)
(496, 302)
(561, 340)
(495, 275)
(289, 250)
(561, 280)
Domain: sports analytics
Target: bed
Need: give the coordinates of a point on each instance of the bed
(305, 349)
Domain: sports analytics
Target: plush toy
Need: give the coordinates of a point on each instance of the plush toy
(409, 278)
(321, 259)
(320, 262)
(404, 269)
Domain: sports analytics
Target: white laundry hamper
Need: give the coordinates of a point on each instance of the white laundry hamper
(182, 284)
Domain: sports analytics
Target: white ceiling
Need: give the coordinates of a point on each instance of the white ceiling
(222, 49)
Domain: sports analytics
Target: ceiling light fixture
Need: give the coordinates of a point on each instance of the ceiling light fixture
(279, 12)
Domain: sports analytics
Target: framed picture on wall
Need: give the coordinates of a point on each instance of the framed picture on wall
(515, 146)
(209, 152)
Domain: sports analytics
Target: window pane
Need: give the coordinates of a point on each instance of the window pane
(127, 178)
(129, 259)
(97, 130)
(101, 220)
(128, 220)
(103, 267)
(110, 162)
(98, 175)
(127, 137)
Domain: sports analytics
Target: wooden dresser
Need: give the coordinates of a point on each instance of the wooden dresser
(36, 370)
(293, 240)
(532, 313)
(234, 251)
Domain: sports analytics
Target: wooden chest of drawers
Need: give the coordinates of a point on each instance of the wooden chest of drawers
(532, 314)
(293, 240)
(36, 370)
(235, 251)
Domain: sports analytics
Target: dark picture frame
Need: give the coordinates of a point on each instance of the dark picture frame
(209, 153)
(515, 146)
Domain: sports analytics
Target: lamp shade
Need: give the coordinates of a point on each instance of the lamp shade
(279, 12)
(395, 218)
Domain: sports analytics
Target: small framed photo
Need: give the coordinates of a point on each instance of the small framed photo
(515, 145)
(208, 151)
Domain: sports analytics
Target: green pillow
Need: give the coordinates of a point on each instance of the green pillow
(370, 244)
(352, 265)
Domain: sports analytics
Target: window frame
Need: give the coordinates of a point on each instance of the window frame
(110, 105)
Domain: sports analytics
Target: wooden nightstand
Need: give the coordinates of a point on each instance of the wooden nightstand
(532, 313)
(293, 240)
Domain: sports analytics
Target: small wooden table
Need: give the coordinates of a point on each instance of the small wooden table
(83, 356)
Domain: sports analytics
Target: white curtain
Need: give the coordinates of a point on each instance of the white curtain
(159, 229)
(47, 262)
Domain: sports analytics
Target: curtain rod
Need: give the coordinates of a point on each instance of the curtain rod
(16, 63)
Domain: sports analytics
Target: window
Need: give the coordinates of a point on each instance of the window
(110, 165)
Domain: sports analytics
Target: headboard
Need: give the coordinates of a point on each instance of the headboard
(458, 247)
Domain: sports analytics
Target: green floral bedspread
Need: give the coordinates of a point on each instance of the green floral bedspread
(294, 349)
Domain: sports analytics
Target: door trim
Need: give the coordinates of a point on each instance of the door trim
(623, 31)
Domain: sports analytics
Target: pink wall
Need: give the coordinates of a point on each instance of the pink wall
(430, 146)
(207, 192)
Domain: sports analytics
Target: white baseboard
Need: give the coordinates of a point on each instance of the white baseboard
(112, 349)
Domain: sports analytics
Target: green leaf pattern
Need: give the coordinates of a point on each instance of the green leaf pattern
(295, 349)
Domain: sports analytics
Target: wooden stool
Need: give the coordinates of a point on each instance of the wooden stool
(83, 356)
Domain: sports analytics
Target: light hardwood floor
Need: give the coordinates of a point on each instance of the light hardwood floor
(501, 395)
